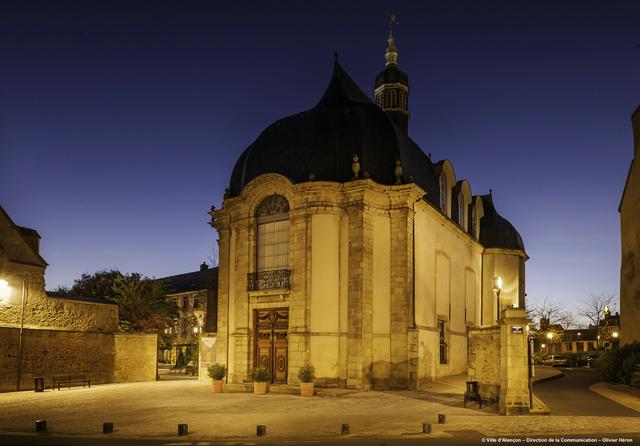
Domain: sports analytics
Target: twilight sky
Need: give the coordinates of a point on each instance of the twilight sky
(120, 122)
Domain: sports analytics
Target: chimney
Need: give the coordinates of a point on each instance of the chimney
(635, 123)
(204, 267)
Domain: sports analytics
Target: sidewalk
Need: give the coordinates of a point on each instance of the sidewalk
(154, 409)
(626, 395)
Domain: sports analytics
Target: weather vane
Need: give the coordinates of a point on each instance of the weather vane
(393, 20)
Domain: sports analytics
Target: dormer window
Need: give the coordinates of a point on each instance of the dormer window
(443, 193)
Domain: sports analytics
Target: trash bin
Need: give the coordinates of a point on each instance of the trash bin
(38, 384)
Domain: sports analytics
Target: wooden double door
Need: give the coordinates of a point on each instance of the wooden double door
(271, 345)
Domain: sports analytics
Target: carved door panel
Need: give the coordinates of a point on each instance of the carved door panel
(271, 342)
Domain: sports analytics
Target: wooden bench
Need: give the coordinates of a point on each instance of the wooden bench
(59, 380)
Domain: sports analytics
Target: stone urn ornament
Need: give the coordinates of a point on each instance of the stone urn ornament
(398, 172)
(355, 167)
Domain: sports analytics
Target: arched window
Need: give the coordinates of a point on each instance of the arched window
(394, 98)
(443, 193)
(461, 211)
(272, 247)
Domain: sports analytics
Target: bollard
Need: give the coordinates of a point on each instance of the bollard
(345, 429)
(183, 429)
(442, 418)
(426, 428)
(261, 430)
(107, 428)
(41, 425)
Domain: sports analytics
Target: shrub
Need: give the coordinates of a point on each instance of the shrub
(260, 374)
(306, 374)
(217, 371)
(619, 365)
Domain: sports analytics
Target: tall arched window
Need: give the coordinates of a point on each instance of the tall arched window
(443, 193)
(461, 211)
(272, 247)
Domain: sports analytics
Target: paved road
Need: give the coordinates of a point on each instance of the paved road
(570, 395)
(462, 438)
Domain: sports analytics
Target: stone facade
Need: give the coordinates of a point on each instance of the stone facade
(630, 237)
(359, 309)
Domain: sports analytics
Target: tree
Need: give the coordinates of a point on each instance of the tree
(142, 305)
(551, 313)
(593, 307)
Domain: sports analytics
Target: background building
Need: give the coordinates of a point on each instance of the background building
(194, 295)
(342, 244)
(630, 237)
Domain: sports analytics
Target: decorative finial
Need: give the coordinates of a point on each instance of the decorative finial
(227, 192)
(391, 56)
(213, 207)
(312, 177)
(490, 191)
(365, 174)
(355, 167)
(429, 155)
(398, 172)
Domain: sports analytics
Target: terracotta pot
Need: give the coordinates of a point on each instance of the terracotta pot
(306, 389)
(259, 388)
(217, 385)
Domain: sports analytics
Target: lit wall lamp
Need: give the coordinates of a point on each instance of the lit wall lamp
(615, 334)
(5, 299)
(497, 287)
(543, 345)
(5, 292)
(549, 335)
(196, 329)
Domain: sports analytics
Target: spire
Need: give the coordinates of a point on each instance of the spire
(391, 56)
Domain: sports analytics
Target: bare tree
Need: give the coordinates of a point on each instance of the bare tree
(552, 312)
(593, 307)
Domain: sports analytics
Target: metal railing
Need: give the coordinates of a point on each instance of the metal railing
(276, 279)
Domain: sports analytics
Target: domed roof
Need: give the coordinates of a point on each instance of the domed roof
(392, 75)
(321, 142)
(495, 230)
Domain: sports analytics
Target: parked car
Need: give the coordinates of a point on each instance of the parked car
(556, 360)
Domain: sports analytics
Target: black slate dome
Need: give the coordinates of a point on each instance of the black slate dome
(322, 141)
(495, 230)
(392, 75)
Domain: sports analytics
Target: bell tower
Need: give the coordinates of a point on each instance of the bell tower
(392, 85)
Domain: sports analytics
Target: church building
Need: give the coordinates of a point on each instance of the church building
(344, 246)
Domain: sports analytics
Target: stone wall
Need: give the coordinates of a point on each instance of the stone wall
(135, 357)
(484, 360)
(101, 356)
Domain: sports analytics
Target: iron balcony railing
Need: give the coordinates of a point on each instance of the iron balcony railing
(276, 279)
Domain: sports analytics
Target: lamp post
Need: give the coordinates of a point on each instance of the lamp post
(5, 298)
(497, 287)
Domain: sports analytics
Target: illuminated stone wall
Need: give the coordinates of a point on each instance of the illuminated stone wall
(55, 313)
(103, 357)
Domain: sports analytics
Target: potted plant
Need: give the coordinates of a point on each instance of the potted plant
(306, 375)
(259, 376)
(216, 372)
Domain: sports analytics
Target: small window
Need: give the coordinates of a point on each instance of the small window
(443, 193)
(443, 342)
(196, 302)
(185, 303)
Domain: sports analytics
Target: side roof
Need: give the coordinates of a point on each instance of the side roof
(14, 242)
(194, 281)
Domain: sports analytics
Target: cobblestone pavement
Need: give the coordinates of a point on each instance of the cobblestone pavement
(154, 410)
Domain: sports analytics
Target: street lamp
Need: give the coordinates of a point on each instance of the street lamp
(5, 299)
(497, 287)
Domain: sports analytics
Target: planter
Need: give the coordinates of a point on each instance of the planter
(217, 385)
(259, 388)
(306, 389)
